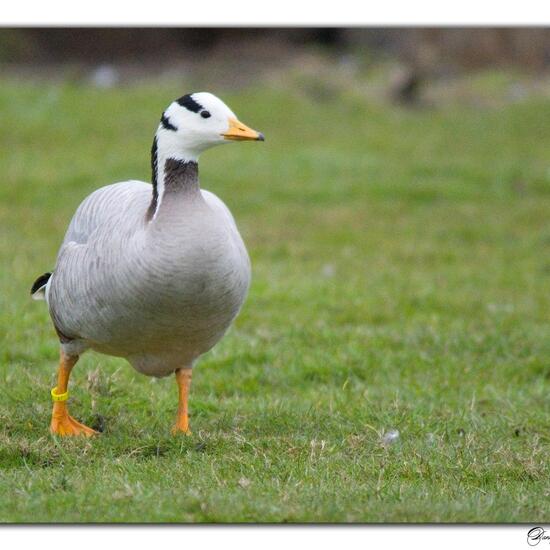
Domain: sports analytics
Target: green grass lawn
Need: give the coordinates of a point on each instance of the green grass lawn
(401, 280)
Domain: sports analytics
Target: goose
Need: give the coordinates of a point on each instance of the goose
(153, 274)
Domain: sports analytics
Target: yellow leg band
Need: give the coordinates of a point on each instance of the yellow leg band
(59, 396)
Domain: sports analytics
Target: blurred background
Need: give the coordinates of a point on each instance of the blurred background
(402, 64)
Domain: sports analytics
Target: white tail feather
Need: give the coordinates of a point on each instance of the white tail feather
(40, 294)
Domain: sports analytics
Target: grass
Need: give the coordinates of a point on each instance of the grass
(401, 280)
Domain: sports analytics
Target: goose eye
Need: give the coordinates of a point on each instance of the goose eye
(205, 114)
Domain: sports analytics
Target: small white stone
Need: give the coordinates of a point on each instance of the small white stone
(390, 437)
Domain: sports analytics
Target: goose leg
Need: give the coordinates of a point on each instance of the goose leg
(62, 423)
(183, 378)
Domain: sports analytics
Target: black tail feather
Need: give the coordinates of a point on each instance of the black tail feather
(40, 282)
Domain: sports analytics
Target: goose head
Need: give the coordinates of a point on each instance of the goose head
(195, 122)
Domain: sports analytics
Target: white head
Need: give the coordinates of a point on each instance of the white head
(196, 122)
(190, 125)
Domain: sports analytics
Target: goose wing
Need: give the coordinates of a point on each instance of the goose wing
(98, 231)
(101, 210)
(106, 207)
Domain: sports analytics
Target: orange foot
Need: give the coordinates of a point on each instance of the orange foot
(66, 425)
(181, 429)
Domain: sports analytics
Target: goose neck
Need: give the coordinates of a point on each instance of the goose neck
(173, 179)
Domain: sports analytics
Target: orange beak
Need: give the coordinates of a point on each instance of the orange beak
(240, 132)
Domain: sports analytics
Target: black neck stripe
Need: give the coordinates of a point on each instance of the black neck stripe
(189, 103)
(154, 166)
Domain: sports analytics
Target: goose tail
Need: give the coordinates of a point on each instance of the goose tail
(38, 289)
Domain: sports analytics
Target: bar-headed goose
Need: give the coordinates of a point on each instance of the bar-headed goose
(154, 275)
